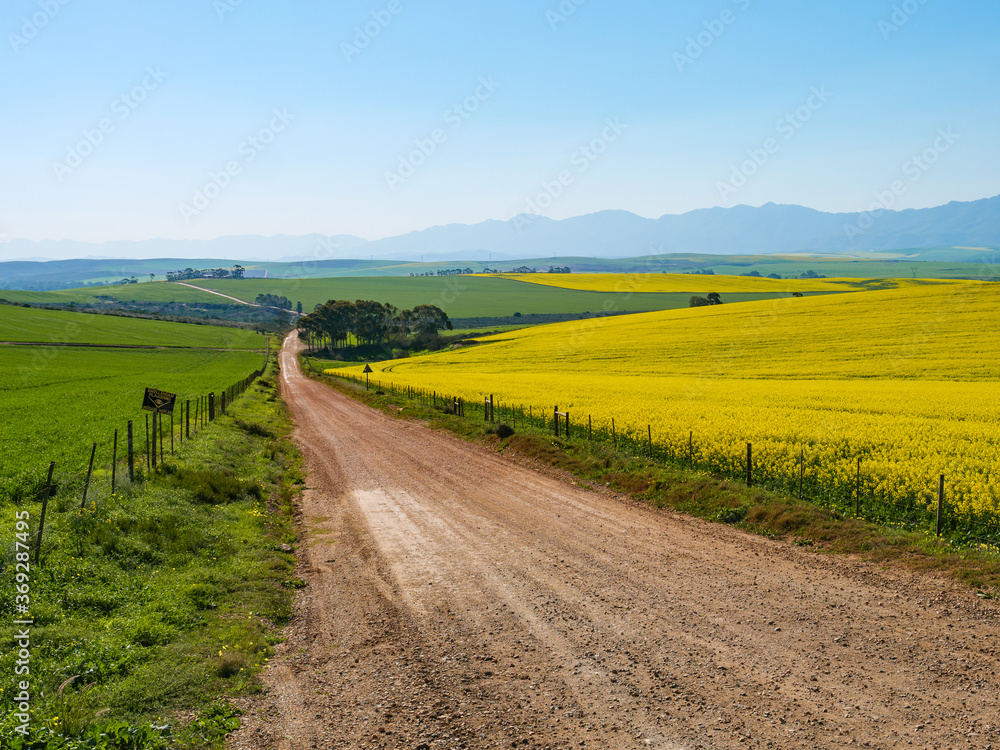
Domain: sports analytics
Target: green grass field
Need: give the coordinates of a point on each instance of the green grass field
(159, 291)
(35, 325)
(58, 401)
(459, 296)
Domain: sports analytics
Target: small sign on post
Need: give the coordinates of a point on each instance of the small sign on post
(367, 371)
(159, 402)
(555, 418)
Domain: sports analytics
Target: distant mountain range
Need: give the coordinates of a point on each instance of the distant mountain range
(740, 230)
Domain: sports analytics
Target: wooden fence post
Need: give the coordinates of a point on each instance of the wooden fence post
(187, 421)
(802, 469)
(555, 418)
(590, 428)
(857, 491)
(131, 455)
(45, 505)
(649, 431)
(151, 445)
(211, 406)
(114, 463)
(940, 508)
(90, 470)
(691, 449)
(749, 465)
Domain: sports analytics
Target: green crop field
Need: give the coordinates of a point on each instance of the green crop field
(459, 296)
(56, 326)
(58, 401)
(156, 291)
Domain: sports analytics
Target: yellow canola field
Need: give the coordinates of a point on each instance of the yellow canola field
(701, 284)
(905, 379)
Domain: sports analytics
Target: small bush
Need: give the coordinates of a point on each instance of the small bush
(732, 515)
(252, 428)
(204, 595)
(212, 487)
(231, 664)
(504, 431)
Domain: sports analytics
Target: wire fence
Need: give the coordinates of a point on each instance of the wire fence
(863, 494)
(130, 453)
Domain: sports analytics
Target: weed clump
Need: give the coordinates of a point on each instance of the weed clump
(253, 428)
(212, 487)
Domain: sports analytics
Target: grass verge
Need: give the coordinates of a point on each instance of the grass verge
(152, 605)
(773, 514)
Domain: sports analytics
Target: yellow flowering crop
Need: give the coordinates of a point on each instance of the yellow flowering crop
(906, 379)
(701, 284)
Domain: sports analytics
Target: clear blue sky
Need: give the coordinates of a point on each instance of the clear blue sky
(533, 83)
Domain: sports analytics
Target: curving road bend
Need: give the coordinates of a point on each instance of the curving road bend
(459, 599)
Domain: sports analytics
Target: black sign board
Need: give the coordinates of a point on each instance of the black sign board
(368, 368)
(158, 402)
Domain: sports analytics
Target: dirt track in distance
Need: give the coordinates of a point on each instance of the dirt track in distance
(459, 599)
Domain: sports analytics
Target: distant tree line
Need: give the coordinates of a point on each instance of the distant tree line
(560, 269)
(712, 298)
(804, 275)
(486, 269)
(341, 324)
(273, 300)
(236, 272)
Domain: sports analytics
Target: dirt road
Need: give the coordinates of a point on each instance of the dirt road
(234, 299)
(457, 599)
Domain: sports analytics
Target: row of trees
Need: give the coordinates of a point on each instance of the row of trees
(340, 324)
(236, 272)
(810, 274)
(487, 269)
(273, 300)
